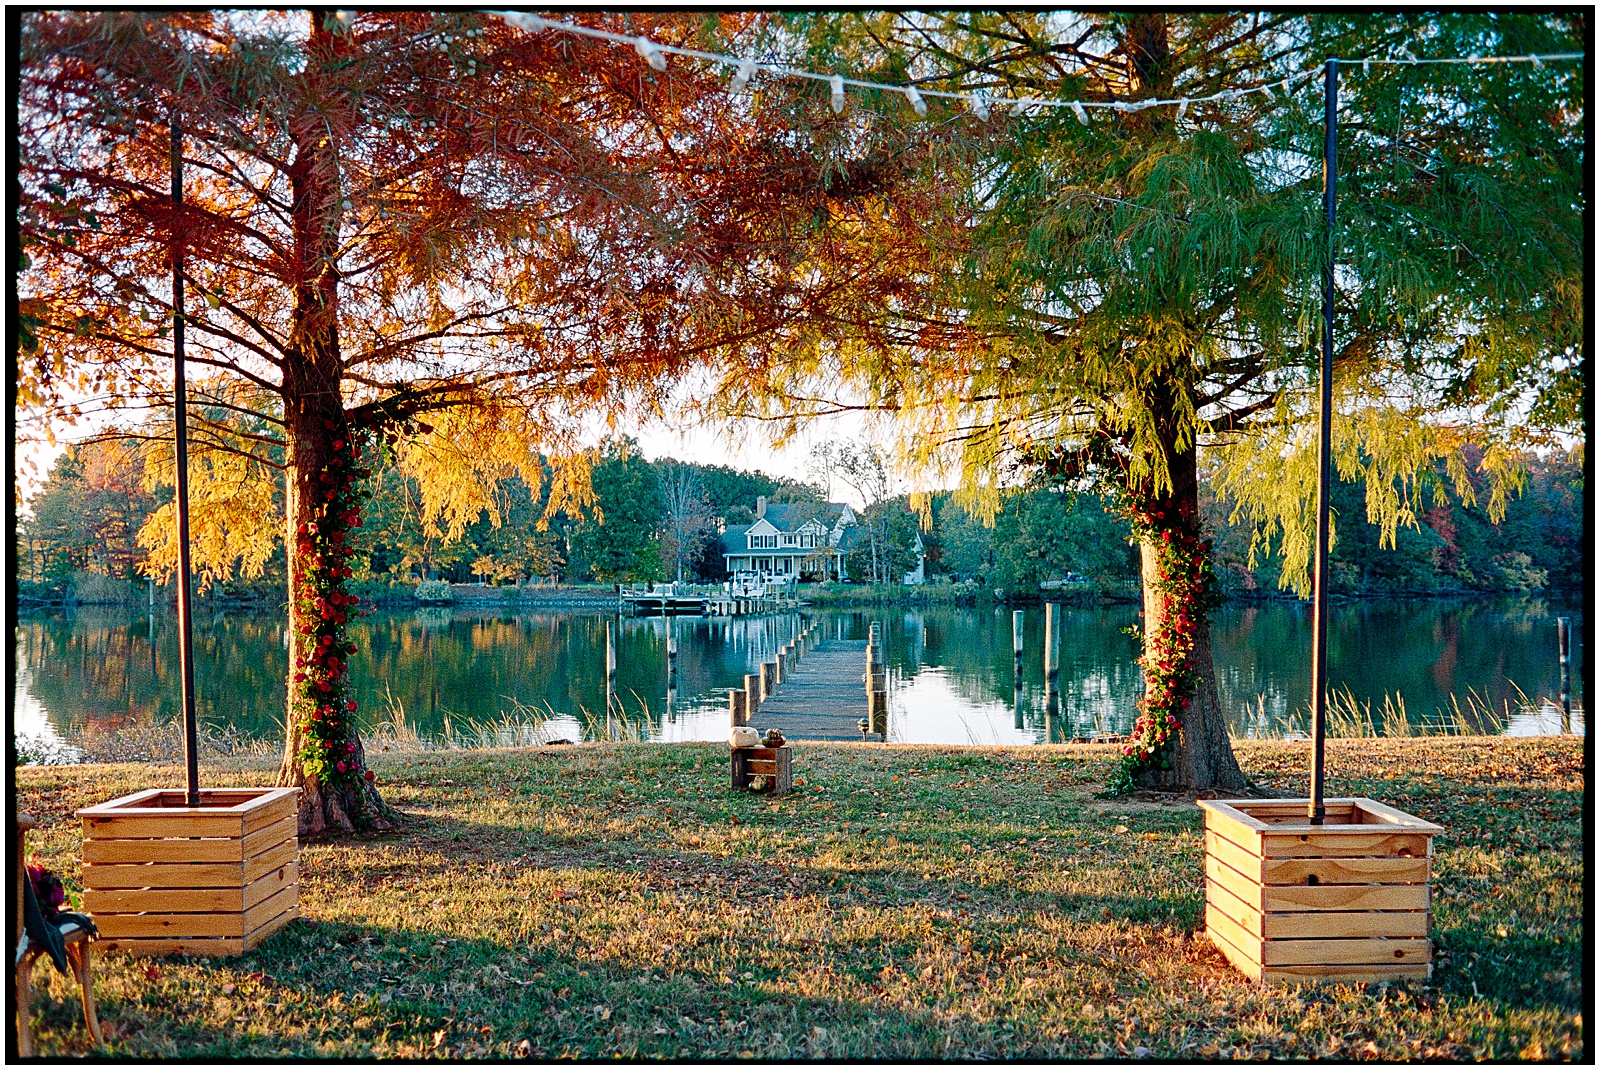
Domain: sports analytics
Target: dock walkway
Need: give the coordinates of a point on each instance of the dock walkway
(824, 697)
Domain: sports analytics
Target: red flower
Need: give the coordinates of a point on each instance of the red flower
(339, 766)
(352, 705)
(370, 777)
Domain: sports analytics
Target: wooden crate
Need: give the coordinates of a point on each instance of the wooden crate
(774, 763)
(160, 876)
(1348, 900)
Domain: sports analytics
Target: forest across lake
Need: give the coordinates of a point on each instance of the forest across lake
(521, 675)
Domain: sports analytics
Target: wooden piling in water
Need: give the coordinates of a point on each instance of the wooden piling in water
(1052, 648)
(1564, 651)
(769, 679)
(738, 707)
(752, 695)
(611, 665)
(1016, 647)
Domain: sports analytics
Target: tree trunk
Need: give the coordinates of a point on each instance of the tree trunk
(1203, 757)
(351, 803)
(323, 755)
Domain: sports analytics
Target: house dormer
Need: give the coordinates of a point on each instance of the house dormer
(762, 535)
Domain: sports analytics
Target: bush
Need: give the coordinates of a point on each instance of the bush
(93, 588)
(434, 591)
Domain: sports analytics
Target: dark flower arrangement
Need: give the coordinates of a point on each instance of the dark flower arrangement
(1189, 589)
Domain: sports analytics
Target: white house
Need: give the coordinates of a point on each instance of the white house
(920, 573)
(791, 541)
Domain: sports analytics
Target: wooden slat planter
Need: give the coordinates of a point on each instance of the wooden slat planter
(160, 876)
(1349, 899)
(774, 763)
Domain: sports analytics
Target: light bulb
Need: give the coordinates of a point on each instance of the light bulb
(522, 20)
(918, 105)
(1183, 106)
(1083, 116)
(836, 98)
(979, 106)
(650, 53)
(742, 76)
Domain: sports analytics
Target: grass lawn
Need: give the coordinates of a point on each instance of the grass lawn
(904, 902)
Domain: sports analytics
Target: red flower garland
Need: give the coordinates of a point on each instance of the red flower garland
(1188, 586)
(324, 702)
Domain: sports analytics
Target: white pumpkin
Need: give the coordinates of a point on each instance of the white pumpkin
(744, 736)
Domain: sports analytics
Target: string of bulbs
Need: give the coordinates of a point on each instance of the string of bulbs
(980, 104)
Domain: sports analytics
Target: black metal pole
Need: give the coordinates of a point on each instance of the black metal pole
(1319, 611)
(180, 396)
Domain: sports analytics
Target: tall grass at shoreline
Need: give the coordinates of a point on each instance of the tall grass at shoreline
(521, 724)
(1387, 717)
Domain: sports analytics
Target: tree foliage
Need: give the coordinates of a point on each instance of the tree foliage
(1099, 299)
(417, 222)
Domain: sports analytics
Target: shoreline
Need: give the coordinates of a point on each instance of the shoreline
(582, 599)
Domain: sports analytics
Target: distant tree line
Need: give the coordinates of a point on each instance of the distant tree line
(659, 520)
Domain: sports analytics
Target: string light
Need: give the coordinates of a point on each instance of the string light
(656, 54)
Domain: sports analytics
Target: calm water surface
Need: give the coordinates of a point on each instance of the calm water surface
(949, 668)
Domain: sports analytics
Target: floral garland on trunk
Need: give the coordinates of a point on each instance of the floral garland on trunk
(324, 702)
(1188, 587)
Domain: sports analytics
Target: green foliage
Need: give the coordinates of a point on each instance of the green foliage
(618, 538)
(1124, 289)
(1453, 546)
(1045, 534)
(430, 591)
(87, 515)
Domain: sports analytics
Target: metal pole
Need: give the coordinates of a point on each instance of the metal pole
(1564, 646)
(180, 396)
(1319, 611)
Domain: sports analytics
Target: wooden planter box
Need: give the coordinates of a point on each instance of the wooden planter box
(160, 876)
(774, 763)
(1349, 900)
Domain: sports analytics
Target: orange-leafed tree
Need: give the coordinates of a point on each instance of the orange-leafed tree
(428, 235)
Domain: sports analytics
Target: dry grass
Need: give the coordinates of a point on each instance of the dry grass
(904, 902)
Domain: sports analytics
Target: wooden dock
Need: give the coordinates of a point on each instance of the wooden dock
(651, 604)
(824, 697)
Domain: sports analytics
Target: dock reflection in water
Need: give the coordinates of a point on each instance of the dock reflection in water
(951, 671)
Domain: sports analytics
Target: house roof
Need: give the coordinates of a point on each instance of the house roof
(786, 517)
(791, 516)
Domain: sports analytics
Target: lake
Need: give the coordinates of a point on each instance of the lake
(950, 669)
